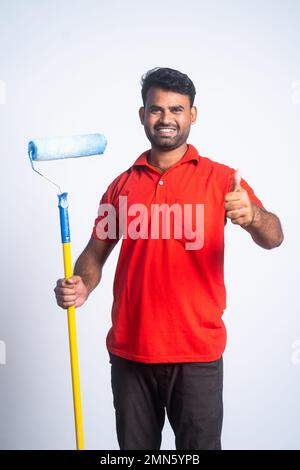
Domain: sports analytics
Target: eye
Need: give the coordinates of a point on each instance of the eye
(177, 110)
(155, 110)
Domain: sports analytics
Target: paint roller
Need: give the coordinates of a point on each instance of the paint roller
(54, 149)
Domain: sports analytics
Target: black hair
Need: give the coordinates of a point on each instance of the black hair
(168, 79)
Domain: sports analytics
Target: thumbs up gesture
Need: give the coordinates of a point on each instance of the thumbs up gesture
(238, 206)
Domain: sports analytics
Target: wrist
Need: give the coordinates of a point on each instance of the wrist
(88, 286)
(90, 283)
(256, 217)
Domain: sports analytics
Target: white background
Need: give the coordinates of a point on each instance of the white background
(73, 67)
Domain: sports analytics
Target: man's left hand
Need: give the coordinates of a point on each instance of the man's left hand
(238, 206)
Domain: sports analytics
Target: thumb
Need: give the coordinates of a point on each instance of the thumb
(236, 181)
(72, 280)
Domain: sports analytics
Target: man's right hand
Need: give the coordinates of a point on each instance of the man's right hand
(71, 291)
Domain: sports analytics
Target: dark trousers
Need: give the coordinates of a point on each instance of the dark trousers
(191, 394)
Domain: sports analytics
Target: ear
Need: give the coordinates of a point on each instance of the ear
(194, 113)
(142, 114)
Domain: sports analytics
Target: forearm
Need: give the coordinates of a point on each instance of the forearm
(265, 229)
(89, 269)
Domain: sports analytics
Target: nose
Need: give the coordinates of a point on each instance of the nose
(166, 117)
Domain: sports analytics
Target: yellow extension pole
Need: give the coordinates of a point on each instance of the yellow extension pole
(74, 354)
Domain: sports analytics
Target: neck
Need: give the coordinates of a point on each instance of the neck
(165, 160)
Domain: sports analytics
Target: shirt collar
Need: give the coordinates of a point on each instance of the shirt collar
(190, 154)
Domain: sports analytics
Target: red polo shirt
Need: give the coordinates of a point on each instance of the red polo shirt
(168, 297)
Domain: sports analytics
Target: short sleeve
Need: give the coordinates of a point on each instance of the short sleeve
(106, 224)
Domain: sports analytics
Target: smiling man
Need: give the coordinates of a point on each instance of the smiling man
(167, 117)
(167, 336)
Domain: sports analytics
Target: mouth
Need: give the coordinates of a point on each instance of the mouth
(166, 131)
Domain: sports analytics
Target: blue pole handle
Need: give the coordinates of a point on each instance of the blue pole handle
(64, 217)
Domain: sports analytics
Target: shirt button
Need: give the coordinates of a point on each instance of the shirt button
(160, 182)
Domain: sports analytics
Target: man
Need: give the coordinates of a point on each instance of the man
(167, 336)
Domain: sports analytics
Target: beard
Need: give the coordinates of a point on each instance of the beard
(166, 143)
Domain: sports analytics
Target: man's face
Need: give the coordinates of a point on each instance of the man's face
(167, 118)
